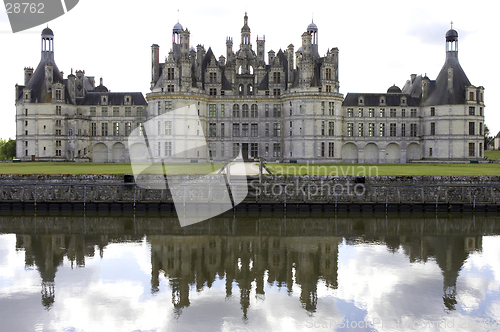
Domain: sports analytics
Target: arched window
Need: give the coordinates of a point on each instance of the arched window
(239, 70)
(251, 70)
(240, 90)
(249, 89)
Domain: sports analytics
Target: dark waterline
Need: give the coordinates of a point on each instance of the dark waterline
(258, 271)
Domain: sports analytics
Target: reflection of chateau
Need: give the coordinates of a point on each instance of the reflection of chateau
(199, 260)
(251, 252)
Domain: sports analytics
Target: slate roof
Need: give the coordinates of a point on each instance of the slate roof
(114, 98)
(373, 99)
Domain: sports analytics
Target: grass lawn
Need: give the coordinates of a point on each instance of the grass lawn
(492, 154)
(282, 169)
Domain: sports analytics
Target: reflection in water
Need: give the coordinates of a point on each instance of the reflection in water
(248, 252)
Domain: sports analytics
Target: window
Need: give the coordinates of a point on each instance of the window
(480, 111)
(331, 108)
(254, 130)
(322, 153)
(331, 149)
(128, 128)
(403, 113)
(58, 110)
(236, 149)
(26, 111)
(433, 128)
(266, 112)
(472, 111)
(212, 150)
(212, 77)
(371, 113)
(170, 74)
(212, 129)
(168, 105)
(328, 74)
(236, 129)
(159, 128)
(139, 111)
(168, 149)
(93, 129)
(480, 128)
(392, 113)
(222, 131)
(159, 149)
(116, 129)
(104, 111)
(104, 129)
(267, 130)
(472, 125)
(212, 91)
(58, 153)
(430, 152)
(331, 128)
(58, 132)
(140, 125)
(360, 113)
(222, 110)
(276, 129)
(472, 148)
(244, 129)
(350, 112)
(371, 129)
(382, 112)
(212, 110)
(236, 111)
(276, 77)
(413, 129)
(128, 111)
(480, 149)
(254, 111)
(350, 129)
(222, 150)
(360, 129)
(392, 129)
(277, 110)
(58, 143)
(266, 150)
(170, 88)
(58, 123)
(244, 111)
(168, 128)
(323, 108)
(58, 94)
(471, 95)
(254, 150)
(116, 111)
(433, 111)
(277, 150)
(413, 113)
(159, 108)
(322, 128)
(382, 129)
(403, 129)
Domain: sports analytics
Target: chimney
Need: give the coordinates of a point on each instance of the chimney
(28, 72)
(426, 82)
(155, 63)
(413, 76)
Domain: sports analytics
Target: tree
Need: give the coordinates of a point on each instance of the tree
(8, 150)
(487, 137)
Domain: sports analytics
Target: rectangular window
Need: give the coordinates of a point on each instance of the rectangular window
(371, 113)
(371, 129)
(331, 128)
(254, 150)
(213, 92)
(403, 129)
(350, 112)
(254, 111)
(430, 152)
(472, 125)
(116, 129)
(322, 153)
(331, 149)
(360, 130)
(276, 92)
(128, 111)
(323, 108)
(244, 129)
(480, 128)
(93, 129)
(267, 130)
(104, 129)
(222, 130)
(116, 111)
(222, 150)
(169, 105)
(360, 113)
(471, 95)
(413, 113)
(168, 128)
(322, 128)
(350, 129)
(276, 77)
(212, 129)
(277, 150)
(276, 129)
(128, 128)
(236, 129)
(104, 111)
(244, 111)
(433, 111)
(266, 110)
(212, 150)
(170, 74)
(472, 110)
(236, 149)
(93, 111)
(472, 149)
(392, 129)
(413, 129)
(254, 130)
(277, 110)
(480, 149)
(331, 108)
(382, 112)
(58, 94)
(433, 128)
(139, 111)
(236, 111)
(168, 149)
(222, 110)
(159, 110)
(392, 113)
(382, 130)
(403, 113)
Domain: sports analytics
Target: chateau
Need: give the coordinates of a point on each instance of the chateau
(287, 109)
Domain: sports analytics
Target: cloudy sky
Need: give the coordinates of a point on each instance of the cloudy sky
(380, 42)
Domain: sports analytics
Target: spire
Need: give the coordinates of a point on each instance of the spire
(452, 42)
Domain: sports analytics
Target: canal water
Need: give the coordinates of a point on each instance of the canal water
(250, 272)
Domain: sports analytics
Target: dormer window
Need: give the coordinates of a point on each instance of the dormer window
(104, 100)
(403, 101)
(382, 100)
(58, 94)
(360, 101)
(128, 100)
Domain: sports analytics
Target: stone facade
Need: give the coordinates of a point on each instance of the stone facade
(287, 108)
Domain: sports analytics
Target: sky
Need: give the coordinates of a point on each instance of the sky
(380, 43)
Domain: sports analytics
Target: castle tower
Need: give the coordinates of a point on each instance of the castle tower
(312, 30)
(452, 43)
(261, 42)
(176, 39)
(245, 34)
(47, 45)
